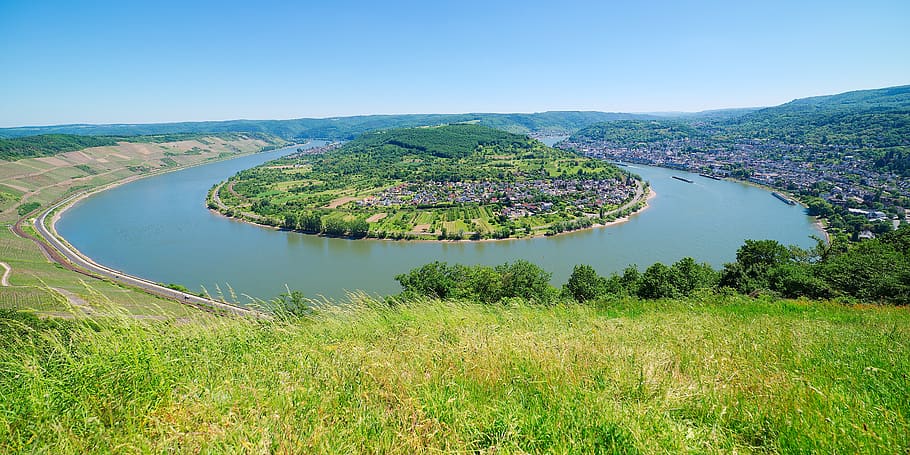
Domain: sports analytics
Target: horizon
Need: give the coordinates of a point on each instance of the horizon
(98, 63)
(654, 113)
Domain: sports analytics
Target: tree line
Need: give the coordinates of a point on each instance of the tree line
(876, 270)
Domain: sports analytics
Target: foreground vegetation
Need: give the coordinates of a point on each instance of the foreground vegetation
(490, 359)
(875, 270)
(703, 374)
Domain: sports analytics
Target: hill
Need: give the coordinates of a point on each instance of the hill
(47, 145)
(862, 119)
(453, 181)
(17, 148)
(867, 119)
(707, 374)
(339, 128)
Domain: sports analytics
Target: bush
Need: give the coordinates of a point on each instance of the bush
(585, 284)
(521, 279)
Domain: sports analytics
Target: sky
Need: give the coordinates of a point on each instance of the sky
(163, 61)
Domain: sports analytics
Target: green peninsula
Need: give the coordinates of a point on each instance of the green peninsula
(450, 182)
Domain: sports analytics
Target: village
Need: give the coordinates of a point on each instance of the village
(850, 184)
(517, 198)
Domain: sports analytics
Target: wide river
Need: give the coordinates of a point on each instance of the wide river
(159, 228)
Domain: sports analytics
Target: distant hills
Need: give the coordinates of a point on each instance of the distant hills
(873, 125)
(16, 148)
(866, 118)
(342, 128)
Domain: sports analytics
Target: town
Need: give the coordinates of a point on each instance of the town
(851, 185)
(518, 198)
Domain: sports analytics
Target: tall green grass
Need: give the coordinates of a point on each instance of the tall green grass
(711, 374)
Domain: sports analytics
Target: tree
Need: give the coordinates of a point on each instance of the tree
(689, 276)
(290, 221)
(584, 284)
(359, 228)
(432, 280)
(754, 261)
(310, 222)
(657, 282)
(526, 280)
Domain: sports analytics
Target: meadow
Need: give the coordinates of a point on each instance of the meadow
(710, 373)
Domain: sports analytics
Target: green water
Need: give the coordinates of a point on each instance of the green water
(159, 228)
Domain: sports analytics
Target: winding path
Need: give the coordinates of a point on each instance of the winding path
(4, 281)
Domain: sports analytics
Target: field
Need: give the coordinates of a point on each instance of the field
(701, 375)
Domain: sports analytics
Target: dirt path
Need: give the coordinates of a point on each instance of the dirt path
(4, 281)
(340, 201)
(75, 300)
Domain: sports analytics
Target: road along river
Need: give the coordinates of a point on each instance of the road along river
(159, 229)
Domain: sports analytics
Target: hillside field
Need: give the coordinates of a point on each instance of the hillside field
(713, 373)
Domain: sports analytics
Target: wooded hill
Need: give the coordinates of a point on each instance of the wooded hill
(872, 124)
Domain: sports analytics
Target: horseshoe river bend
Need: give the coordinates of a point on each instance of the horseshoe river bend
(159, 228)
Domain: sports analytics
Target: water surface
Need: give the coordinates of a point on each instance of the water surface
(159, 228)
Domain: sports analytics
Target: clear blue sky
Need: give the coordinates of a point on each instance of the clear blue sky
(139, 62)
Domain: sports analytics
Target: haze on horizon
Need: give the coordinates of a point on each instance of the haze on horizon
(115, 62)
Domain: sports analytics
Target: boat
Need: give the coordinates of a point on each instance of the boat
(710, 176)
(683, 179)
(783, 198)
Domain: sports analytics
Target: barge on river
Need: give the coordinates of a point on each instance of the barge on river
(783, 198)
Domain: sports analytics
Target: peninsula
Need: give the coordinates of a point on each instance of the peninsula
(449, 182)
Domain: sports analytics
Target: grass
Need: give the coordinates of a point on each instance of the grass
(713, 374)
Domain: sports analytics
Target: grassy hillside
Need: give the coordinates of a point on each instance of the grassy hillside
(37, 284)
(17, 148)
(47, 145)
(706, 374)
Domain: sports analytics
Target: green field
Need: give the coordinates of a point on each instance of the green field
(709, 374)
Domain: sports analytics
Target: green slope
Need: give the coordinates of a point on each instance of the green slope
(703, 375)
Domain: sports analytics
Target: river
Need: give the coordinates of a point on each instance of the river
(159, 228)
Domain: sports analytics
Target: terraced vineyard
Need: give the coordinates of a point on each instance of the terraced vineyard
(447, 182)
